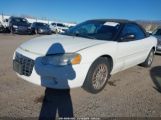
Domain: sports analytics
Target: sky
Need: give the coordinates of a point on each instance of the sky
(81, 10)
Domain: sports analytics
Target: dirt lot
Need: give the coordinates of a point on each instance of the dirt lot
(131, 93)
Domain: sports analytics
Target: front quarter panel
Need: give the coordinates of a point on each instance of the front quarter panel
(89, 55)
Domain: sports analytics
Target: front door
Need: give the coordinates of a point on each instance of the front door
(131, 46)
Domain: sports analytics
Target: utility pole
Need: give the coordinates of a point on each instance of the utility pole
(48, 21)
(2, 16)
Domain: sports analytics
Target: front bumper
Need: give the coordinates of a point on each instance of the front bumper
(44, 31)
(1, 29)
(54, 76)
(22, 31)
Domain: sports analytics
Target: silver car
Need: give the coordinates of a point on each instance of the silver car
(157, 34)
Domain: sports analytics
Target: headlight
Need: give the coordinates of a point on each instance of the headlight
(62, 59)
(15, 26)
(41, 30)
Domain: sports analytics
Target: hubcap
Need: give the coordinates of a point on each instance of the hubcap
(150, 60)
(100, 76)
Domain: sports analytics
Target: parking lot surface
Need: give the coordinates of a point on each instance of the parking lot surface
(131, 93)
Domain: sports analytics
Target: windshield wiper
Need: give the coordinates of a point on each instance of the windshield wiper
(79, 35)
(84, 35)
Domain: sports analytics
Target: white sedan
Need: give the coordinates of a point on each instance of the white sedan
(85, 56)
(58, 27)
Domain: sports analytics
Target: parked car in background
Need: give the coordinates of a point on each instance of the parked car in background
(5, 23)
(157, 34)
(71, 27)
(1, 27)
(85, 56)
(19, 25)
(149, 32)
(40, 28)
(58, 27)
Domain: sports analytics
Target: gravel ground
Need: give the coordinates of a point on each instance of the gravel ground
(131, 93)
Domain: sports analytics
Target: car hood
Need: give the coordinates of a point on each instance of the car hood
(53, 44)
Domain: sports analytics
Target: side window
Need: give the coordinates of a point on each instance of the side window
(53, 24)
(90, 28)
(157, 32)
(87, 29)
(133, 29)
(60, 25)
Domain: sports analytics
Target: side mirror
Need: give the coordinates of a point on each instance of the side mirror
(128, 37)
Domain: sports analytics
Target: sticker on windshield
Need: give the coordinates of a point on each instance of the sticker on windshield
(111, 24)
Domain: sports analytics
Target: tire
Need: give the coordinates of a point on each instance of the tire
(32, 32)
(12, 30)
(149, 60)
(36, 31)
(97, 76)
(56, 31)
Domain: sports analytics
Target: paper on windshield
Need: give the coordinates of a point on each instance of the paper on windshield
(113, 24)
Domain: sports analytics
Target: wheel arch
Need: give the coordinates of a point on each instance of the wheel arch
(87, 83)
(109, 58)
(154, 48)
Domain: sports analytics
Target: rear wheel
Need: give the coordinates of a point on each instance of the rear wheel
(148, 62)
(97, 76)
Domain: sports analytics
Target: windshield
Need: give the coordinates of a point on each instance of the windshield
(19, 20)
(60, 25)
(157, 32)
(53, 24)
(42, 25)
(101, 30)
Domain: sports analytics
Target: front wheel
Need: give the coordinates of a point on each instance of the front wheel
(36, 31)
(12, 30)
(148, 62)
(97, 76)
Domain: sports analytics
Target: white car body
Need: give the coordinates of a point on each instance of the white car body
(1, 24)
(5, 23)
(124, 55)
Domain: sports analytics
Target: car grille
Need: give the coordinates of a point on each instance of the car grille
(22, 28)
(26, 63)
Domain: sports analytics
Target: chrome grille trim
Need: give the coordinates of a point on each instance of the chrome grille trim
(27, 64)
